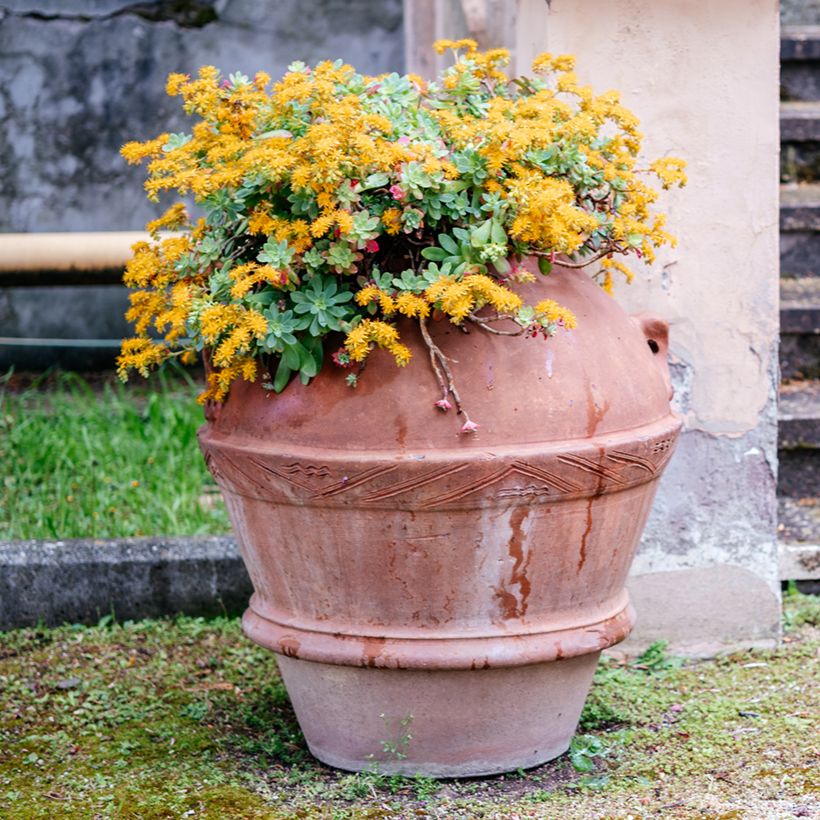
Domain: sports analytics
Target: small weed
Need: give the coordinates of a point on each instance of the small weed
(583, 750)
(425, 787)
(397, 749)
(655, 659)
(799, 610)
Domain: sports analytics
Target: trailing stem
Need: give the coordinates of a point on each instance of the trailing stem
(566, 264)
(485, 323)
(445, 378)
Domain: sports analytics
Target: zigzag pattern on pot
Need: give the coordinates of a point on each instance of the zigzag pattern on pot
(552, 476)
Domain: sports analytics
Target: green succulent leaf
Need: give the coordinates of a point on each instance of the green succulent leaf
(544, 265)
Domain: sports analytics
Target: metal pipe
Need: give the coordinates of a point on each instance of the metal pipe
(29, 252)
(17, 341)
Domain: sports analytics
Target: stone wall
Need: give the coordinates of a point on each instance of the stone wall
(78, 78)
(800, 12)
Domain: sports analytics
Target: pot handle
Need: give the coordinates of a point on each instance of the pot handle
(656, 333)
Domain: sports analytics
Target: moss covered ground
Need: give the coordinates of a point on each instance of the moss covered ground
(186, 718)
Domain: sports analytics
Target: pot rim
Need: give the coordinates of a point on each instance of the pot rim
(507, 647)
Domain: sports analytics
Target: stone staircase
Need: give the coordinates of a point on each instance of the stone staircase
(799, 414)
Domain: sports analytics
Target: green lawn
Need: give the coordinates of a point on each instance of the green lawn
(186, 718)
(104, 460)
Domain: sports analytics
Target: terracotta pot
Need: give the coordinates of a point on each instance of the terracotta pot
(455, 588)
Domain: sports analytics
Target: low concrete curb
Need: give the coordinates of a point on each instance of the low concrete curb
(79, 581)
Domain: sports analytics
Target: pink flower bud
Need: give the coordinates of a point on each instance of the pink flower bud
(371, 246)
(469, 427)
(397, 192)
(443, 405)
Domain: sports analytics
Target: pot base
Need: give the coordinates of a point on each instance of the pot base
(438, 723)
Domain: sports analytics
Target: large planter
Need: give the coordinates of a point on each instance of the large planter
(438, 601)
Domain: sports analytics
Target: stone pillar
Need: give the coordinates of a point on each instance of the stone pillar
(703, 78)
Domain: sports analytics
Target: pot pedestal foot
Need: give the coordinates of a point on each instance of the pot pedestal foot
(438, 723)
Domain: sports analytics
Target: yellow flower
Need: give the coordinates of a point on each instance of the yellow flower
(172, 219)
(391, 219)
(670, 171)
(440, 46)
(174, 84)
(551, 311)
(359, 342)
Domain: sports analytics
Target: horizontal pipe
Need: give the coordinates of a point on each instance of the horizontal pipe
(16, 341)
(100, 250)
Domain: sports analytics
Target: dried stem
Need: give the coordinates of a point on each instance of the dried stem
(442, 370)
(563, 264)
(433, 350)
(485, 324)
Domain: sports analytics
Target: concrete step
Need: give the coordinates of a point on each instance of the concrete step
(800, 141)
(800, 230)
(799, 440)
(799, 416)
(800, 120)
(798, 520)
(800, 328)
(798, 536)
(799, 63)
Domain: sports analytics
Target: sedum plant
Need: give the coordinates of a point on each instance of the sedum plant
(333, 204)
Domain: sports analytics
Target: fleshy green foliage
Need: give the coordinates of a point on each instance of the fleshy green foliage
(330, 176)
(186, 718)
(79, 462)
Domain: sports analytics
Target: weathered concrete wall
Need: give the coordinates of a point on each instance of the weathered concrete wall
(78, 78)
(706, 575)
(800, 12)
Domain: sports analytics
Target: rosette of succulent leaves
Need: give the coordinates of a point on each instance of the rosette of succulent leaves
(326, 210)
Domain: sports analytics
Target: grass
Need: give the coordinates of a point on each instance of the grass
(103, 461)
(186, 718)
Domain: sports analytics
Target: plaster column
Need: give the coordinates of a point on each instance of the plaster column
(703, 78)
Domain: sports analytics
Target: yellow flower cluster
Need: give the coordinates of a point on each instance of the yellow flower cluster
(312, 184)
(159, 301)
(220, 381)
(175, 217)
(408, 304)
(250, 274)
(392, 221)
(607, 266)
(230, 330)
(459, 298)
(297, 232)
(670, 171)
(553, 312)
(547, 216)
(369, 332)
(140, 354)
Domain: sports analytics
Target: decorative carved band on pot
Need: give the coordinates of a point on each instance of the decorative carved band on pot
(448, 595)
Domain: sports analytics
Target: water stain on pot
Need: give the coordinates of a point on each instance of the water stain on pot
(582, 557)
(515, 606)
